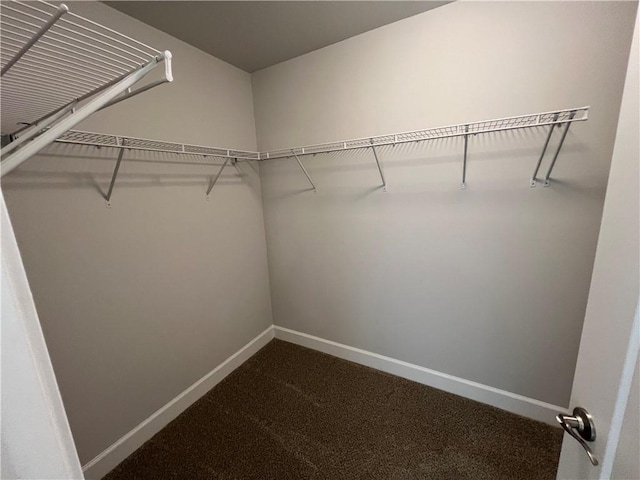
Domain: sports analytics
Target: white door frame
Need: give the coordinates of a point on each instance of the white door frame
(610, 339)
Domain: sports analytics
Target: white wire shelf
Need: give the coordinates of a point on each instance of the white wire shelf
(57, 68)
(552, 120)
(73, 57)
(125, 143)
(78, 137)
(558, 117)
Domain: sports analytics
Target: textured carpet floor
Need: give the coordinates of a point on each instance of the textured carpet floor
(293, 413)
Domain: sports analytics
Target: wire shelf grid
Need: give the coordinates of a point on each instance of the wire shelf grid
(552, 119)
(78, 137)
(50, 57)
(558, 117)
(525, 121)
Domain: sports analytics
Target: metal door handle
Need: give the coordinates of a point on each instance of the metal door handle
(583, 423)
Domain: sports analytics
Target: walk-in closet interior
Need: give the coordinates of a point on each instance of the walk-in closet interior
(320, 240)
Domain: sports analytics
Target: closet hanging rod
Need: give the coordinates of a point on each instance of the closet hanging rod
(94, 139)
(555, 117)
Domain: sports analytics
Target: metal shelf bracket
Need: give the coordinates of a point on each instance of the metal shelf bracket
(313, 185)
(215, 179)
(107, 198)
(375, 154)
(463, 185)
(555, 157)
(533, 181)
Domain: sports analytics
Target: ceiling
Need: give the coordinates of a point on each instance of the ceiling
(257, 34)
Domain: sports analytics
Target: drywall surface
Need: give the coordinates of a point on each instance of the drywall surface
(489, 283)
(627, 463)
(140, 300)
(31, 406)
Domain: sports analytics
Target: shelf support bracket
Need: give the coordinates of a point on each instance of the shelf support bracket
(532, 183)
(51, 134)
(216, 177)
(463, 185)
(62, 9)
(313, 185)
(115, 174)
(375, 155)
(129, 93)
(555, 157)
(71, 105)
(38, 127)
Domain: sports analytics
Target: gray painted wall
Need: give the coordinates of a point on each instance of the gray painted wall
(488, 284)
(627, 462)
(30, 402)
(139, 301)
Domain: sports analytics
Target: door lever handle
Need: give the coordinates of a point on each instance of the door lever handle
(582, 422)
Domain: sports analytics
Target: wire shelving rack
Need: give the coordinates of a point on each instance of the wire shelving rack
(58, 68)
(554, 119)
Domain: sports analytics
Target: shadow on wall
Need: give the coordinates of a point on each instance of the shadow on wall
(78, 166)
(75, 166)
(499, 160)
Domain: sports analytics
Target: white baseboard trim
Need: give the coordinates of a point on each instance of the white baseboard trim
(129, 443)
(511, 402)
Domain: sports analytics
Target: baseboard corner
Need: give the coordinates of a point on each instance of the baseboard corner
(509, 401)
(106, 461)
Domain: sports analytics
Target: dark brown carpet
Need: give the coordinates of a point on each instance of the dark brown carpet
(293, 413)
